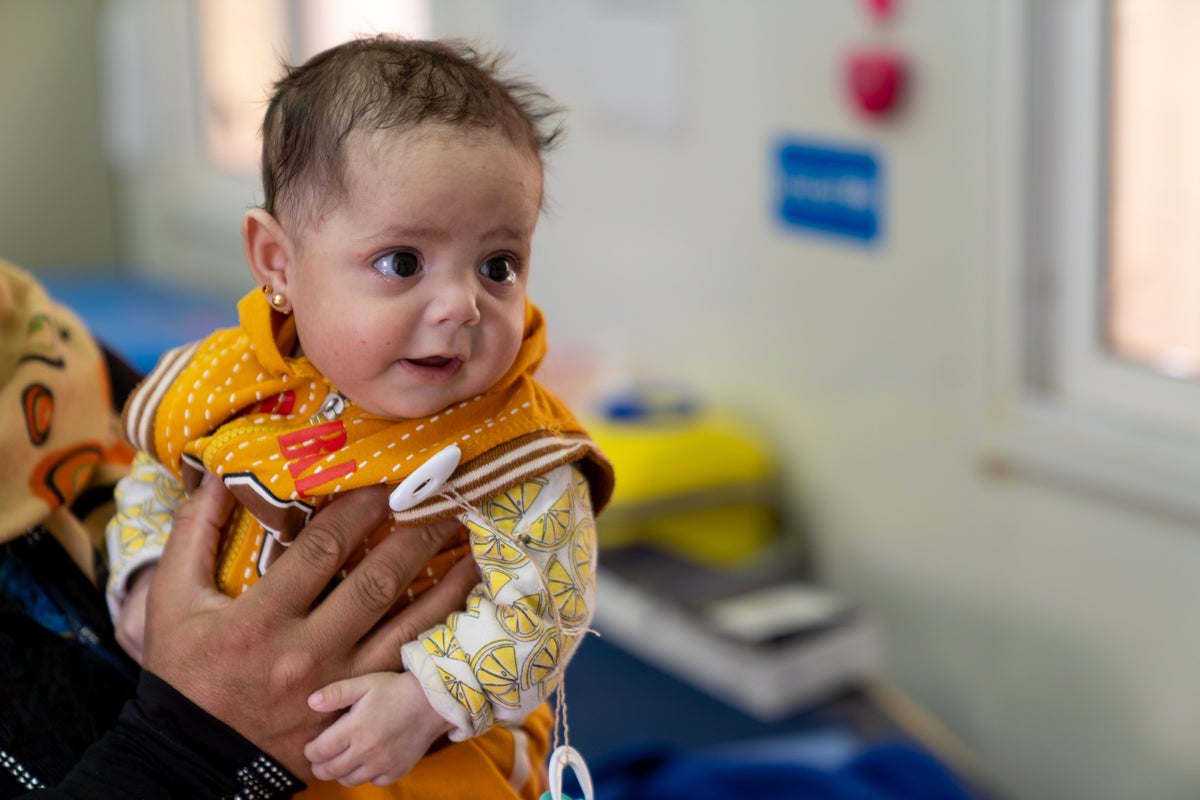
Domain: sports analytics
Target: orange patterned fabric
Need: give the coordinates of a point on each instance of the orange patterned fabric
(235, 405)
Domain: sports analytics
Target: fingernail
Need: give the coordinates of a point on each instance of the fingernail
(315, 698)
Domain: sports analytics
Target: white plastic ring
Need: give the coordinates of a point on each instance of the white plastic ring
(569, 756)
(425, 480)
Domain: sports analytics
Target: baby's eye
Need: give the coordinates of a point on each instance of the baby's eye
(400, 264)
(499, 269)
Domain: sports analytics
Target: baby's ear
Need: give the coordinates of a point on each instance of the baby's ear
(269, 251)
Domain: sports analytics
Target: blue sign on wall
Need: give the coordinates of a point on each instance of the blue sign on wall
(833, 190)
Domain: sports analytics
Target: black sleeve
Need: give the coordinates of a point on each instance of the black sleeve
(164, 746)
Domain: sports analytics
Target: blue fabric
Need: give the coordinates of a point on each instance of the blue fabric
(19, 583)
(35, 583)
(886, 771)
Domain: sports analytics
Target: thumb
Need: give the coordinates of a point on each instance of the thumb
(186, 571)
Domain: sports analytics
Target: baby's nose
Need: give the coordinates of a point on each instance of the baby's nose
(455, 301)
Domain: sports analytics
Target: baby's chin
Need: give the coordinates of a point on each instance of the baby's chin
(403, 409)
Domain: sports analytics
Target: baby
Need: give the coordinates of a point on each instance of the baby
(391, 341)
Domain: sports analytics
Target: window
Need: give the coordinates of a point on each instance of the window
(186, 84)
(1153, 314)
(1098, 299)
(241, 44)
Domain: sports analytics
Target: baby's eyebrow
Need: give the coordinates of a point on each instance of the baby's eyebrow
(436, 233)
(411, 231)
(506, 232)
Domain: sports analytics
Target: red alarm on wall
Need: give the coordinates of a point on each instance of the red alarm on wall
(880, 9)
(875, 79)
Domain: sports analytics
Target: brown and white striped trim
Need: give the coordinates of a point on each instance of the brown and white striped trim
(138, 417)
(511, 464)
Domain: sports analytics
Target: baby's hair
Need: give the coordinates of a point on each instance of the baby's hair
(387, 82)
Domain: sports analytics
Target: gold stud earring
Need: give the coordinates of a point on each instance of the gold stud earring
(267, 289)
(278, 300)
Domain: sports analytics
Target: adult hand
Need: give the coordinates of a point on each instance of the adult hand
(252, 662)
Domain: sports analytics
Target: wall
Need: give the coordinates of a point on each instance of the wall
(56, 208)
(1051, 631)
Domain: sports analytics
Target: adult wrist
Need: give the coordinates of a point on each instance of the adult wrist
(209, 745)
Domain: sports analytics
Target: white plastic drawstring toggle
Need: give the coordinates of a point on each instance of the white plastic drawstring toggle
(425, 479)
(568, 756)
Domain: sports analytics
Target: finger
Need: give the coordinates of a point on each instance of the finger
(322, 751)
(131, 645)
(131, 627)
(363, 774)
(331, 771)
(339, 694)
(339, 766)
(360, 775)
(380, 651)
(375, 583)
(295, 581)
(188, 563)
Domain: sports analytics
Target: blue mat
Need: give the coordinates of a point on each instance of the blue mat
(139, 317)
(885, 771)
(647, 735)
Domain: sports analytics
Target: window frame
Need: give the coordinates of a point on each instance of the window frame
(1062, 409)
(180, 212)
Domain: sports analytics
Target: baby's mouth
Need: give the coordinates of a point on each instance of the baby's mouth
(431, 361)
(432, 367)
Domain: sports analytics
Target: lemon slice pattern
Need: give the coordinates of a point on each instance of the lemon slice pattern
(496, 579)
(492, 547)
(471, 698)
(496, 669)
(583, 552)
(456, 674)
(523, 619)
(440, 643)
(500, 656)
(507, 510)
(141, 525)
(581, 492)
(145, 505)
(167, 491)
(549, 529)
(567, 593)
(474, 603)
(541, 665)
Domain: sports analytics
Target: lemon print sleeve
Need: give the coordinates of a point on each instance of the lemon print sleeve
(500, 657)
(146, 501)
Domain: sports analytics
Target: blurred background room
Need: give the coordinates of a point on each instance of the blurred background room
(906, 290)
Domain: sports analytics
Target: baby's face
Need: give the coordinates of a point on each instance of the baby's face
(409, 295)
